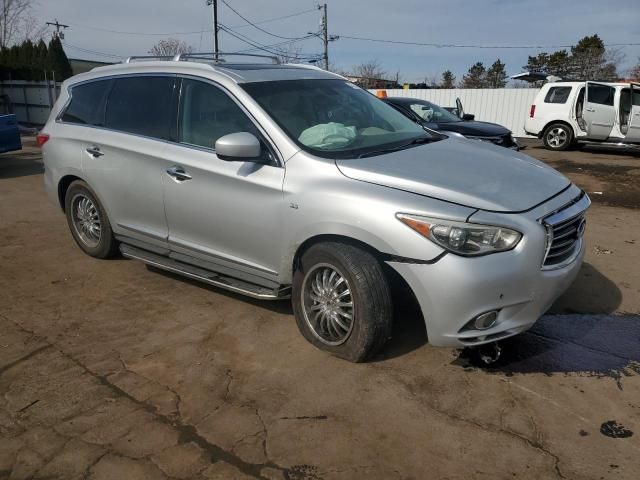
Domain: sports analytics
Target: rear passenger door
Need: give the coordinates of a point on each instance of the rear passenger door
(123, 158)
(599, 111)
(225, 213)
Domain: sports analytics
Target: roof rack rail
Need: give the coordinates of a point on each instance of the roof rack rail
(215, 57)
(147, 57)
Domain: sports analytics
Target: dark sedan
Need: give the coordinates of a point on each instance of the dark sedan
(434, 117)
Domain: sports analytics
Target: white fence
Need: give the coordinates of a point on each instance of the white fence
(506, 106)
(31, 101)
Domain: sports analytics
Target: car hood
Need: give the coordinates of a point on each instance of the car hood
(471, 127)
(475, 174)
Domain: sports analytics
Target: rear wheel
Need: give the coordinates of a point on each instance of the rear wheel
(88, 221)
(557, 136)
(341, 300)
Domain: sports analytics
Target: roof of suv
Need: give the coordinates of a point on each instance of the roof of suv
(238, 72)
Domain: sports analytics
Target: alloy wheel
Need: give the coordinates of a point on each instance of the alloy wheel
(328, 304)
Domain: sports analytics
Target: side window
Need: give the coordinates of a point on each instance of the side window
(601, 94)
(557, 95)
(87, 103)
(141, 105)
(207, 113)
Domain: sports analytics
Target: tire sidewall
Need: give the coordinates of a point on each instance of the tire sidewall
(105, 247)
(567, 144)
(358, 343)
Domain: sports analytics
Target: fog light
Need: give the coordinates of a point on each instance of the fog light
(486, 320)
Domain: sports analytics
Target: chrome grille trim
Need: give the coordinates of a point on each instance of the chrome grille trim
(564, 233)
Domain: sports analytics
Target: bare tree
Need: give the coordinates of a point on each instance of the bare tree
(368, 73)
(292, 54)
(170, 46)
(17, 22)
(634, 73)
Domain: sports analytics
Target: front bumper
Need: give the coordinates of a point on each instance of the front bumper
(455, 290)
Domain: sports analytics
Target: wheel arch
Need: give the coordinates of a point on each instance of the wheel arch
(553, 122)
(63, 186)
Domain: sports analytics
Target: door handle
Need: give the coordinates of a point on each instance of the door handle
(178, 173)
(590, 109)
(94, 151)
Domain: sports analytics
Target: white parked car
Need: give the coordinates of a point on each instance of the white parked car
(567, 113)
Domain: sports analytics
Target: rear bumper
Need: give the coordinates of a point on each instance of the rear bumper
(456, 289)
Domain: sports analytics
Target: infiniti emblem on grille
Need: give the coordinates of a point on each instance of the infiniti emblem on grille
(581, 227)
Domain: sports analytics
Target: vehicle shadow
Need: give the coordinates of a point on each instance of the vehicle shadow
(20, 164)
(591, 292)
(536, 144)
(576, 335)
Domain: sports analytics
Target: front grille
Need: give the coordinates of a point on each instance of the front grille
(564, 232)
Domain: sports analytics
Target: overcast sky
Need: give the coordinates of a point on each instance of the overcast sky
(468, 22)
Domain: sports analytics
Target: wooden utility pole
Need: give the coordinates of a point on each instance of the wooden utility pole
(58, 34)
(214, 3)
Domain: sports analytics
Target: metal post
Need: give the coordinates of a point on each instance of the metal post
(325, 35)
(215, 28)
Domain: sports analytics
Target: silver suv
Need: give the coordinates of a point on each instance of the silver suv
(286, 180)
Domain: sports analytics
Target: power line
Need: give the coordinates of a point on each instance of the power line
(274, 19)
(259, 46)
(253, 24)
(191, 32)
(451, 45)
(65, 44)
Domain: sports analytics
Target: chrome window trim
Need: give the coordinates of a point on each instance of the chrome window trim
(279, 158)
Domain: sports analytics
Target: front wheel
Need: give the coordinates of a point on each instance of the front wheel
(341, 300)
(558, 136)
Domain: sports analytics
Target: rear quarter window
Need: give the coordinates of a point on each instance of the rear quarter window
(86, 106)
(557, 95)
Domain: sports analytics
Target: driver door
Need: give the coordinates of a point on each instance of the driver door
(227, 214)
(599, 112)
(633, 131)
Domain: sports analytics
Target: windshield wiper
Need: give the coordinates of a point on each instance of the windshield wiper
(412, 143)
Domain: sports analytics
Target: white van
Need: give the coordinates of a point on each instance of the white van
(567, 113)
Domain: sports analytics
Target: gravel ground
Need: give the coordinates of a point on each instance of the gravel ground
(112, 370)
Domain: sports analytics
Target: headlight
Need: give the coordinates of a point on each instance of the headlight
(468, 239)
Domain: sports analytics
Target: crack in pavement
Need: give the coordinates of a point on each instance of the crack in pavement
(26, 357)
(187, 433)
(535, 444)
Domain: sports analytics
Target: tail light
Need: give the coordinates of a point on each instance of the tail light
(532, 111)
(42, 138)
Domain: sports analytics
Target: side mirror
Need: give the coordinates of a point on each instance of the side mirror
(468, 116)
(460, 110)
(239, 147)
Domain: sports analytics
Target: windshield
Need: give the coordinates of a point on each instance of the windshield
(335, 118)
(431, 112)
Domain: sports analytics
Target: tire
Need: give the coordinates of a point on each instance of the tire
(558, 136)
(371, 312)
(83, 208)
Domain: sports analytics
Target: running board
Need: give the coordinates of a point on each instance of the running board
(206, 276)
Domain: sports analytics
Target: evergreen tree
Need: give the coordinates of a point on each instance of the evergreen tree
(588, 60)
(448, 79)
(40, 59)
(475, 77)
(57, 61)
(496, 76)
